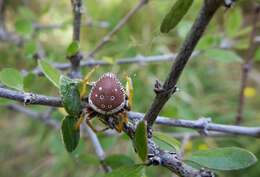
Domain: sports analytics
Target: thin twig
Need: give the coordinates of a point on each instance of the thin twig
(117, 28)
(139, 59)
(40, 27)
(202, 124)
(30, 98)
(98, 148)
(76, 58)
(185, 140)
(35, 115)
(164, 92)
(247, 66)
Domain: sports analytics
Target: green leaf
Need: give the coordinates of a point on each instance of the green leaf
(24, 27)
(4, 101)
(233, 22)
(29, 81)
(257, 55)
(73, 48)
(50, 72)
(30, 48)
(184, 28)
(70, 134)
(127, 171)
(70, 96)
(222, 55)
(88, 159)
(26, 13)
(229, 158)
(140, 140)
(118, 160)
(12, 78)
(174, 16)
(168, 140)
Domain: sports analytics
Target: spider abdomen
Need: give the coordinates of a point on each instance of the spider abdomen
(107, 96)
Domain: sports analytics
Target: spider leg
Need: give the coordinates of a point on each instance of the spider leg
(123, 120)
(79, 121)
(85, 82)
(129, 92)
(91, 114)
(93, 128)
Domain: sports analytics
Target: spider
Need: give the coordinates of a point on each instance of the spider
(108, 99)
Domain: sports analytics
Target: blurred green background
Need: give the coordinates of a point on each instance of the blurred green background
(209, 86)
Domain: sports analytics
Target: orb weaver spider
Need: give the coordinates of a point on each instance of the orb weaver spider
(107, 99)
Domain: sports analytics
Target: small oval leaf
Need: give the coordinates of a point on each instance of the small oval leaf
(168, 140)
(140, 140)
(73, 48)
(70, 96)
(70, 133)
(12, 78)
(50, 72)
(174, 16)
(29, 81)
(24, 27)
(127, 171)
(229, 158)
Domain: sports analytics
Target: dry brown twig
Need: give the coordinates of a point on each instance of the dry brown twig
(247, 65)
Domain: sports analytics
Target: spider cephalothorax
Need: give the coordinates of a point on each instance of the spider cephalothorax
(108, 98)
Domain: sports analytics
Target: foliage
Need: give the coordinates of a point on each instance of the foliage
(140, 140)
(231, 158)
(70, 133)
(209, 85)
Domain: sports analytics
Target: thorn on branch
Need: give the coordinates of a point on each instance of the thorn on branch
(154, 160)
(28, 97)
(144, 1)
(206, 173)
(229, 3)
(158, 89)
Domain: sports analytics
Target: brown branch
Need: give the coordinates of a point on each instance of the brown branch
(117, 28)
(206, 13)
(247, 66)
(75, 59)
(30, 98)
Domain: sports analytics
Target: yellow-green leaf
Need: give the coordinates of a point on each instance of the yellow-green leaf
(70, 133)
(140, 140)
(12, 78)
(73, 48)
(174, 16)
(50, 72)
